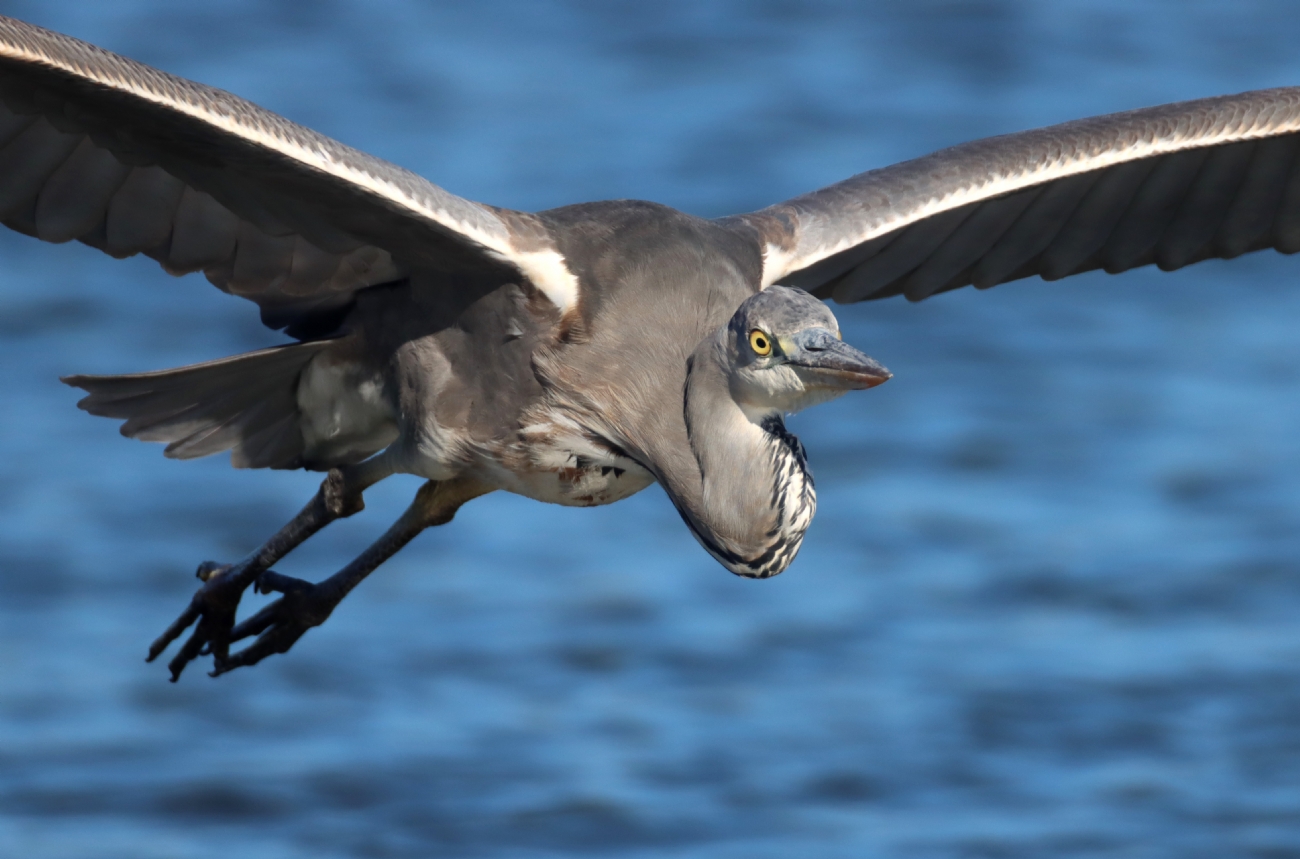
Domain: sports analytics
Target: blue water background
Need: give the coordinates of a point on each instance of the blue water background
(1050, 605)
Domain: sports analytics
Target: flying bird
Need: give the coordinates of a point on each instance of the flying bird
(575, 355)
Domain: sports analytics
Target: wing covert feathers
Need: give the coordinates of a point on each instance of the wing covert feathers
(1169, 185)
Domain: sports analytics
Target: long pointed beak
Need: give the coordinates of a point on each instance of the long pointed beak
(827, 361)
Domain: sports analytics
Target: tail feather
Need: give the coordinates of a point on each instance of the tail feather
(210, 438)
(271, 444)
(246, 404)
(152, 420)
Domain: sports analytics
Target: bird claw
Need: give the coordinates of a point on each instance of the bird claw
(213, 607)
(278, 626)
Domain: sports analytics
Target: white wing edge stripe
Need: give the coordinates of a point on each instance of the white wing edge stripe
(547, 269)
(550, 274)
(783, 262)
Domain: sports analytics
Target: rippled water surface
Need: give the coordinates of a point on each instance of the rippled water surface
(1050, 605)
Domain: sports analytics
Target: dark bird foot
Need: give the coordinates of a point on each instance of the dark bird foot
(214, 607)
(279, 625)
(215, 604)
(302, 604)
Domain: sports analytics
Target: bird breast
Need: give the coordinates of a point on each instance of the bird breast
(556, 459)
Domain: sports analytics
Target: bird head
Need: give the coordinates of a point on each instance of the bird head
(785, 354)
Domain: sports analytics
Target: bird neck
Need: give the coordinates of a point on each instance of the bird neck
(754, 498)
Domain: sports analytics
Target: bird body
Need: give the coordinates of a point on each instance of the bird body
(613, 393)
(480, 388)
(575, 355)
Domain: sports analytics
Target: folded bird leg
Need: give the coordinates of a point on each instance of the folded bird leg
(216, 601)
(304, 605)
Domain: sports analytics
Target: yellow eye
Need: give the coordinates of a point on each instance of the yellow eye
(760, 343)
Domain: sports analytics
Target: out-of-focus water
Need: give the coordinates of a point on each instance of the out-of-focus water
(1050, 605)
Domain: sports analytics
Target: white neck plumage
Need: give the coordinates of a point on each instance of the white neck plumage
(755, 496)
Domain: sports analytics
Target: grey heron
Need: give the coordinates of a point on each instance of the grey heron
(575, 355)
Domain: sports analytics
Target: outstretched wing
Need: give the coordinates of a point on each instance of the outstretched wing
(128, 159)
(1169, 185)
